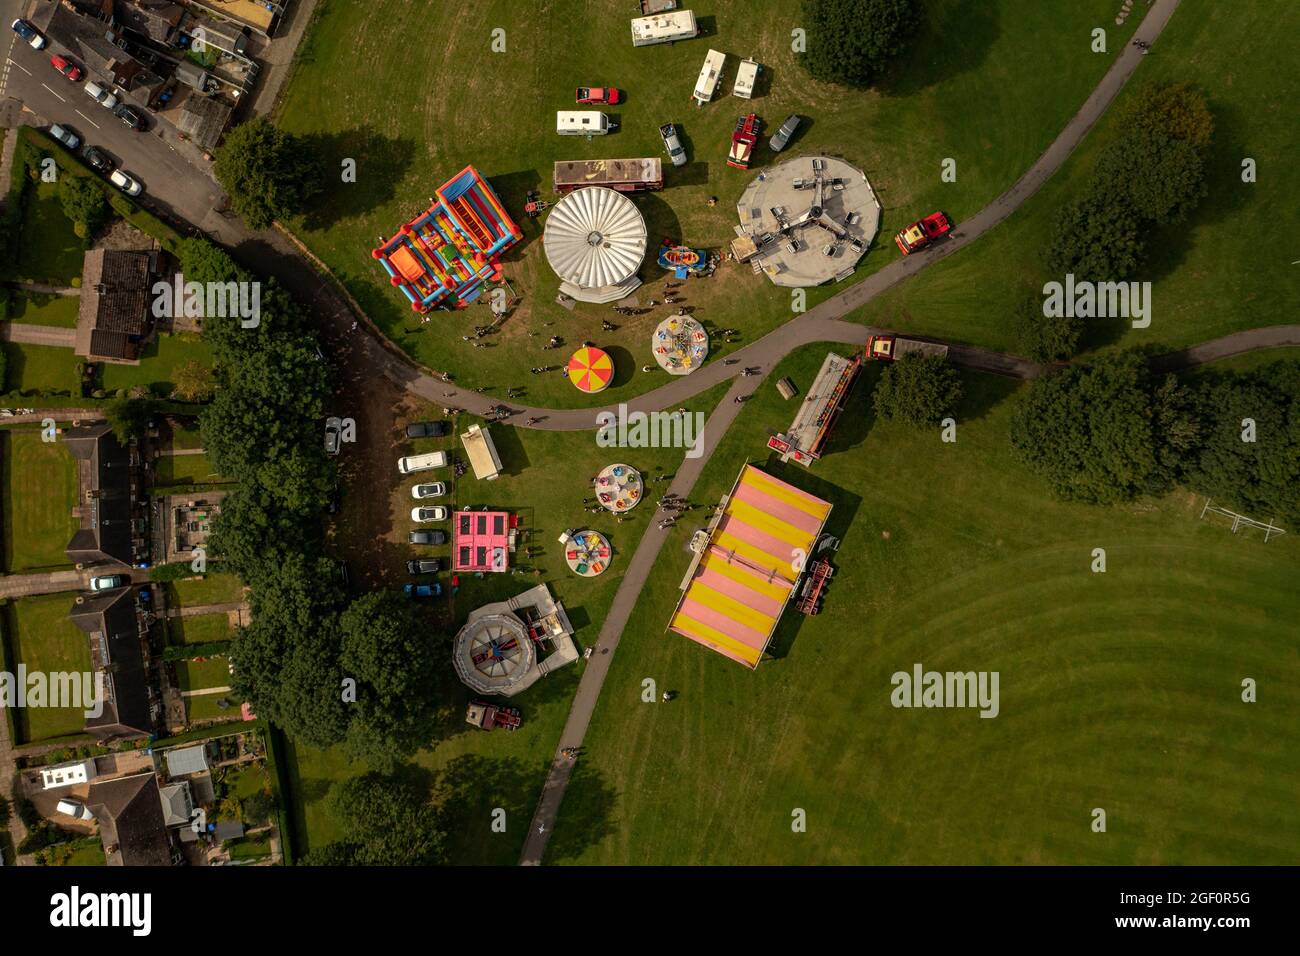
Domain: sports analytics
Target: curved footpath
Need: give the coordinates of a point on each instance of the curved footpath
(821, 323)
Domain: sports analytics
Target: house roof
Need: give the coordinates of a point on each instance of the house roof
(156, 19)
(177, 804)
(130, 814)
(114, 314)
(203, 119)
(109, 621)
(104, 496)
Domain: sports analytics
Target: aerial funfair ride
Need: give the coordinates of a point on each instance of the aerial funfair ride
(443, 257)
(681, 261)
(590, 369)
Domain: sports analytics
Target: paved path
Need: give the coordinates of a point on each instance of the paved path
(58, 414)
(199, 610)
(37, 334)
(47, 582)
(820, 323)
(179, 452)
(1251, 340)
(43, 289)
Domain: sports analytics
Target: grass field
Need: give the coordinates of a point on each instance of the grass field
(198, 630)
(158, 363)
(40, 490)
(217, 587)
(40, 366)
(1208, 278)
(988, 84)
(50, 251)
(33, 308)
(197, 675)
(185, 470)
(1118, 690)
(42, 638)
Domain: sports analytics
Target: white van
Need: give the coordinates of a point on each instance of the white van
(75, 810)
(710, 74)
(413, 463)
(582, 123)
(746, 78)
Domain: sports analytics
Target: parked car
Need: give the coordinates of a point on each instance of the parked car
(29, 33)
(596, 95)
(434, 489)
(107, 582)
(98, 160)
(333, 435)
(423, 566)
(335, 499)
(422, 590)
(427, 537)
(781, 138)
(67, 67)
(65, 136)
(132, 116)
(345, 575)
(71, 808)
(429, 513)
(125, 183)
(673, 143)
(100, 94)
(427, 429)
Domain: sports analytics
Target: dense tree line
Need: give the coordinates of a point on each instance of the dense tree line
(1109, 430)
(388, 821)
(919, 390)
(853, 41)
(306, 648)
(1152, 174)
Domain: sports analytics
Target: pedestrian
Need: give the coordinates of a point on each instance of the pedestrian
(647, 368)
(682, 310)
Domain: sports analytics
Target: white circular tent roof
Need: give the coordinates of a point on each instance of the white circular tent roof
(595, 241)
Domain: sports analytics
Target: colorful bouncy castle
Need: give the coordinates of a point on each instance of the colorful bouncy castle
(441, 258)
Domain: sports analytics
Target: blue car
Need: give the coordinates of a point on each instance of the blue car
(29, 33)
(422, 590)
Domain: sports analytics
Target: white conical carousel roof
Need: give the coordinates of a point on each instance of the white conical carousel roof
(595, 239)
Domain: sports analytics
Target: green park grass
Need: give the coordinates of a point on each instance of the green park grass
(41, 637)
(186, 470)
(40, 490)
(50, 251)
(158, 363)
(989, 84)
(1227, 269)
(47, 367)
(1119, 690)
(203, 629)
(34, 308)
(208, 707)
(217, 587)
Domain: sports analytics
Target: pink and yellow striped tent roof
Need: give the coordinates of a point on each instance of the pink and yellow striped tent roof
(742, 581)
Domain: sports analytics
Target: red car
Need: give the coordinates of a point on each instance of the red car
(67, 68)
(598, 95)
(923, 232)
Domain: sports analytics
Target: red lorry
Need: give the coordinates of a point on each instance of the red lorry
(743, 140)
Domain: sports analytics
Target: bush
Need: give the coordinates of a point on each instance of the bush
(920, 390)
(853, 41)
(1046, 338)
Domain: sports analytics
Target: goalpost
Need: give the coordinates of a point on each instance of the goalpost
(1241, 521)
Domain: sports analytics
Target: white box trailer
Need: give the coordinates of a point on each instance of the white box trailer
(710, 75)
(582, 123)
(664, 28)
(746, 79)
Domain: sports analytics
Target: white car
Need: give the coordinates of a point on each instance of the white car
(434, 489)
(125, 183)
(71, 808)
(107, 582)
(100, 94)
(431, 513)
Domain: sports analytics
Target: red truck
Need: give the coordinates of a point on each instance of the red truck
(921, 233)
(598, 95)
(487, 716)
(886, 348)
(743, 140)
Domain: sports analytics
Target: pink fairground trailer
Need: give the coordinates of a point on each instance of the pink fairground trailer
(442, 258)
(741, 579)
(482, 541)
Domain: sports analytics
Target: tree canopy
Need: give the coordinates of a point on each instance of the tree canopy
(918, 389)
(388, 820)
(852, 42)
(266, 172)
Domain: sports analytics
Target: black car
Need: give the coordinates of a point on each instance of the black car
(99, 160)
(131, 116)
(423, 566)
(335, 499)
(345, 575)
(427, 429)
(427, 537)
